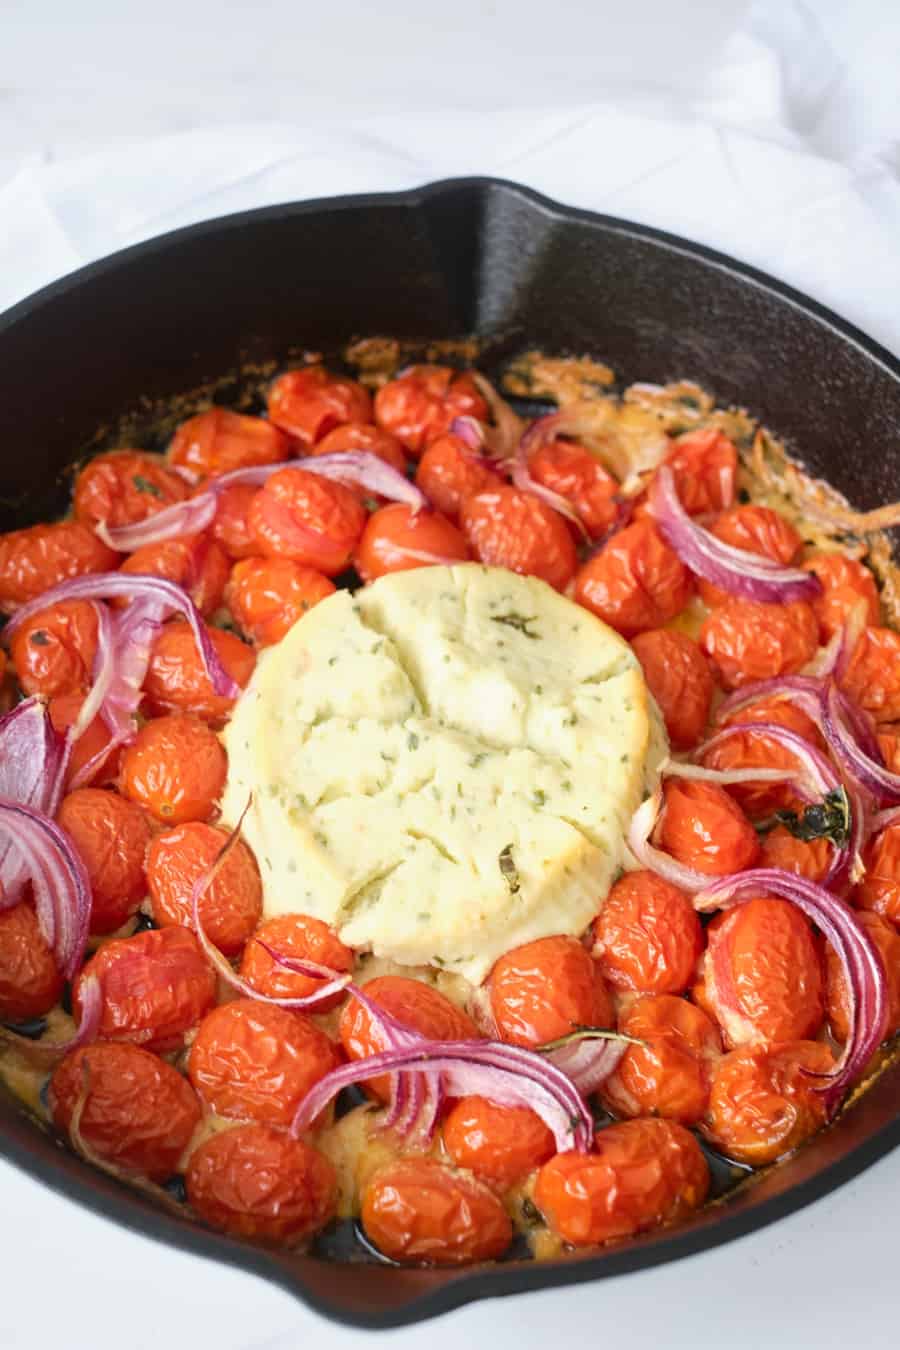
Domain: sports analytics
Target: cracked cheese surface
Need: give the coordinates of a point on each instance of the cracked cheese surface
(443, 765)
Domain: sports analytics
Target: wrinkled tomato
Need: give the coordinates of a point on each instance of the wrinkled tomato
(417, 1209)
(755, 529)
(546, 989)
(704, 829)
(311, 519)
(670, 1073)
(123, 487)
(231, 526)
(635, 582)
(746, 640)
(873, 675)
(371, 440)
(33, 560)
(810, 859)
(755, 750)
(176, 679)
(266, 596)
(30, 983)
(230, 906)
(89, 748)
(574, 473)
(704, 464)
(218, 441)
(886, 941)
(782, 712)
(846, 584)
(763, 1103)
(195, 562)
(879, 888)
(449, 473)
(679, 678)
(419, 405)
(509, 528)
(53, 652)
(397, 539)
(310, 402)
(647, 936)
(303, 938)
(499, 1144)
(176, 768)
(111, 836)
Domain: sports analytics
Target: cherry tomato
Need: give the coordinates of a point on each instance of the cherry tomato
(218, 441)
(231, 527)
(635, 582)
(755, 529)
(779, 848)
(53, 652)
(873, 676)
(305, 939)
(669, 1075)
(123, 487)
(509, 528)
(449, 473)
(419, 1210)
(886, 940)
(267, 596)
(370, 439)
(762, 1104)
(176, 680)
(782, 712)
(111, 836)
(575, 474)
(879, 888)
(889, 744)
(33, 560)
(499, 1144)
(311, 401)
(546, 989)
(302, 516)
(763, 974)
(257, 1182)
(755, 750)
(194, 561)
(411, 1002)
(138, 1113)
(396, 539)
(642, 1173)
(680, 680)
(232, 903)
(419, 405)
(253, 1061)
(704, 829)
(846, 583)
(746, 640)
(30, 983)
(90, 744)
(647, 936)
(176, 768)
(156, 987)
(704, 464)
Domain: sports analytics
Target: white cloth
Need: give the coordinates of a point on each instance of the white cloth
(774, 135)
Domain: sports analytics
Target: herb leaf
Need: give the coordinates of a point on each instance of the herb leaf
(518, 621)
(144, 485)
(827, 819)
(509, 870)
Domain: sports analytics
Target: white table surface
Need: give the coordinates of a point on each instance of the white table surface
(82, 87)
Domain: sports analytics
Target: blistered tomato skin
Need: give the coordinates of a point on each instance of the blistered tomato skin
(498, 1144)
(641, 1173)
(310, 402)
(513, 529)
(746, 640)
(419, 405)
(544, 990)
(30, 983)
(449, 473)
(124, 487)
(33, 560)
(755, 750)
(231, 526)
(873, 675)
(762, 1104)
(846, 584)
(111, 836)
(218, 441)
(53, 652)
(231, 904)
(196, 562)
(137, 1112)
(397, 539)
(420, 1211)
(303, 938)
(88, 749)
(886, 940)
(782, 712)
(636, 582)
(308, 518)
(704, 464)
(779, 848)
(755, 529)
(670, 1073)
(156, 986)
(575, 474)
(257, 1182)
(266, 596)
(369, 439)
(254, 1061)
(647, 936)
(704, 829)
(175, 767)
(679, 678)
(176, 679)
(879, 888)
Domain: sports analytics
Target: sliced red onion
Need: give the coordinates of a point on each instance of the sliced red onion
(187, 517)
(33, 762)
(834, 658)
(841, 728)
(858, 955)
(640, 831)
(804, 691)
(882, 820)
(59, 882)
(506, 433)
(522, 479)
(588, 1056)
(732, 569)
(90, 997)
(725, 777)
(588, 424)
(360, 468)
(471, 432)
(815, 776)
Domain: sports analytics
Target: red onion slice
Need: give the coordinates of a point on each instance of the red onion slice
(588, 424)
(584, 1060)
(33, 761)
(90, 996)
(842, 727)
(187, 517)
(522, 479)
(62, 891)
(506, 433)
(732, 569)
(640, 831)
(815, 777)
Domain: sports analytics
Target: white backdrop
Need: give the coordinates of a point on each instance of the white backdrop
(773, 133)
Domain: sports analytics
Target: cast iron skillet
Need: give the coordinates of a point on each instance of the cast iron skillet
(467, 256)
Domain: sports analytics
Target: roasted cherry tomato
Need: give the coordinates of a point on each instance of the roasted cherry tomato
(763, 973)
(30, 982)
(195, 562)
(704, 829)
(303, 938)
(873, 676)
(642, 1173)
(782, 712)
(137, 1112)
(499, 1144)
(419, 405)
(755, 529)
(886, 940)
(546, 989)
(176, 768)
(889, 745)
(762, 1103)
(647, 936)
(156, 986)
(879, 888)
(449, 473)
(87, 755)
(217, 441)
(111, 836)
(755, 750)
(419, 1210)
(411, 1002)
(33, 560)
(231, 904)
(123, 487)
(779, 848)
(266, 596)
(397, 539)
(680, 680)
(669, 1075)
(577, 475)
(53, 652)
(704, 464)
(311, 401)
(257, 1182)
(746, 640)
(846, 583)
(311, 519)
(635, 582)
(509, 528)
(176, 680)
(371, 440)
(231, 527)
(254, 1061)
